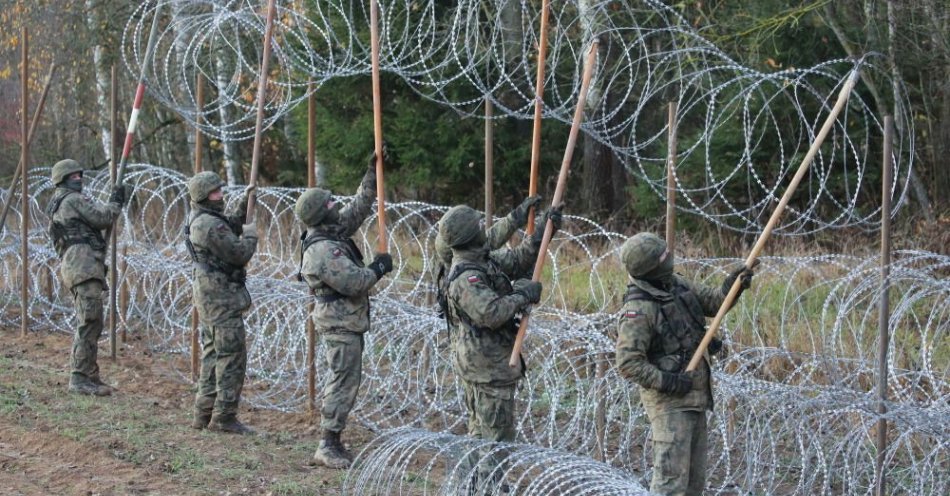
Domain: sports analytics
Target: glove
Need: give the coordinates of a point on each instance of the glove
(554, 215)
(371, 160)
(716, 347)
(118, 195)
(745, 280)
(529, 289)
(381, 265)
(676, 384)
(249, 230)
(242, 200)
(520, 213)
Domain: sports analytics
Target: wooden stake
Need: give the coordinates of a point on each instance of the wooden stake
(489, 163)
(25, 188)
(884, 315)
(779, 210)
(538, 107)
(199, 149)
(113, 238)
(259, 125)
(382, 246)
(515, 359)
(311, 330)
(670, 181)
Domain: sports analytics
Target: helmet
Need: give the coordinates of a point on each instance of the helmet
(202, 184)
(641, 253)
(459, 225)
(311, 207)
(63, 168)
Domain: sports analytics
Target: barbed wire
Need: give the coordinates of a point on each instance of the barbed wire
(795, 408)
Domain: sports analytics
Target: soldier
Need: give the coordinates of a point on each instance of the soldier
(483, 309)
(76, 224)
(661, 325)
(220, 245)
(333, 268)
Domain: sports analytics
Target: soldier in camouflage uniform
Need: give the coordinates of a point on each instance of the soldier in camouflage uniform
(76, 224)
(482, 308)
(661, 325)
(333, 268)
(221, 245)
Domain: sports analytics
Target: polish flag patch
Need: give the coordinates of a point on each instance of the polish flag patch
(337, 252)
(633, 314)
(473, 279)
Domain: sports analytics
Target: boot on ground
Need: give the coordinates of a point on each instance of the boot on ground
(102, 385)
(201, 419)
(331, 453)
(85, 386)
(230, 425)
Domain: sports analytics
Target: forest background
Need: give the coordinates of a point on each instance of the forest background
(438, 153)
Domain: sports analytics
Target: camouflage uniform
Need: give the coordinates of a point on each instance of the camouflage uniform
(482, 313)
(333, 268)
(221, 298)
(660, 326)
(76, 224)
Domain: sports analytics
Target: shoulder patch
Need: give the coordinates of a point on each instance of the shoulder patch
(473, 279)
(632, 314)
(222, 227)
(337, 252)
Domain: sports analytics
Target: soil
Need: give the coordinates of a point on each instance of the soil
(138, 441)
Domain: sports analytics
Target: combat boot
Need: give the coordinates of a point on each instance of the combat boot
(102, 386)
(86, 387)
(331, 453)
(201, 419)
(230, 425)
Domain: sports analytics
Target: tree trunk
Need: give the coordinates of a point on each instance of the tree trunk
(102, 75)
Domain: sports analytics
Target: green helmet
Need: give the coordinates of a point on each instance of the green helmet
(641, 253)
(311, 207)
(202, 184)
(459, 225)
(63, 168)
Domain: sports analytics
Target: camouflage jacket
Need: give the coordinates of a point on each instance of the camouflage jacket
(218, 280)
(482, 311)
(333, 268)
(83, 219)
(659, 331)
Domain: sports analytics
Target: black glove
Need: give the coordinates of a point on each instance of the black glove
(556, 218)
(716, 346)
(371, 160)
(529, 289)
(745, 280)
(118, 195)
(676, 384)
(520, 213)
(381, 265)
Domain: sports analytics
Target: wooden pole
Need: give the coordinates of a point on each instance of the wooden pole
(382, 245)
(773, 220)
(259, 125)
(29, 139)
(670, 181)
(114, 237)
(884, 315)
(195, 331)
(538, 107)
(25, 188)
(489, 163)
(515, 360)
(311, 330)
(124, 290)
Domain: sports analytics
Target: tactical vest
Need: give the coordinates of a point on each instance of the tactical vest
(73, 231)
(205, 261)
(495, 278)
(351, 251)
(681, 327)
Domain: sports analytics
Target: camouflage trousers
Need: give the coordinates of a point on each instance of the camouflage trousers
(491, 416)
(87, 297)
(344, 364)
(223, 367)
(679, 453)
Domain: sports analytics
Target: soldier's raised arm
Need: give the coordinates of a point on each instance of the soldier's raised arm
(353, 215)
(518, 262)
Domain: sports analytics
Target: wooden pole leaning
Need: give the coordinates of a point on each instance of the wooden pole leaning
(538, 108)
(750, 261)
(884, 314)
(195, 331)
(29, 139)
(515, 360)
(489, 162)
(311, 329)
(383, 241)
(25, 186)
(114, 237)
(670, 180)
(259, 124)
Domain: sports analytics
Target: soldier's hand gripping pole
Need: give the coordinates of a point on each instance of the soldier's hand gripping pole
(558, 192)
(750, 261)
(382, 244)
(259, 124)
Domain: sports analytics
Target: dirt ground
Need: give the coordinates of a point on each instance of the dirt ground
(138, 440)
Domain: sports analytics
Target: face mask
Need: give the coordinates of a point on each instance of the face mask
(73, 184)
(215, 205)
(661, 275)
(332, 217)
